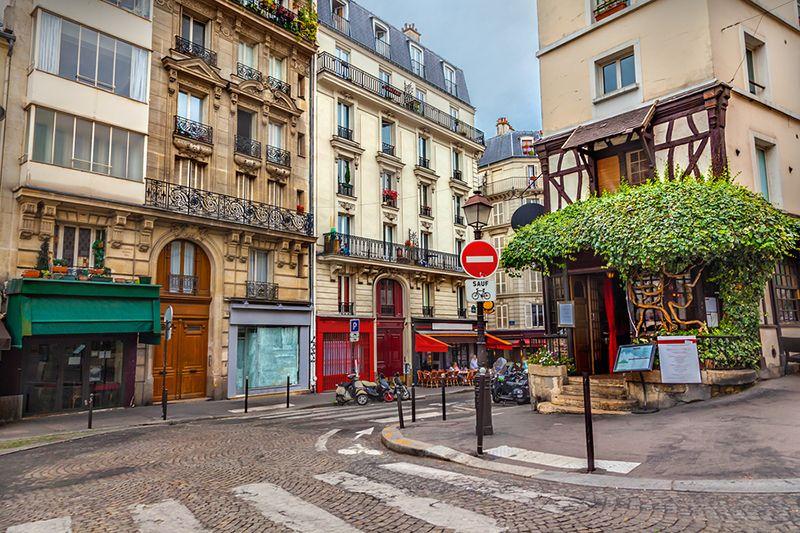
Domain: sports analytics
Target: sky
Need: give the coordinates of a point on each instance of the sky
(493, 41)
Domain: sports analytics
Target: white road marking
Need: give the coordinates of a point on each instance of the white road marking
(261, 408)
(306, 412)
(288, 510)
(359, 448)
(322, 442)
(54, 525)
(559, 461)
(548, 501)
(169, 515)
(480, 259)
(429, 510)
(407, 416)
(363, 432)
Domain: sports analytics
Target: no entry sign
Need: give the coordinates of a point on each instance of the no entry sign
(479, 259)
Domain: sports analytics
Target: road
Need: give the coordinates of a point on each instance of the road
(324, 469)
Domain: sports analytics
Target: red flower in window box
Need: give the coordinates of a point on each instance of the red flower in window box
(389, 194)
(300, 208)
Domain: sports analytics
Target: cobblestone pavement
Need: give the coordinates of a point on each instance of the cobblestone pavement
(278, 474)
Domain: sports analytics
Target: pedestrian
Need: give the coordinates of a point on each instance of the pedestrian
(500, 366)
(473, 362)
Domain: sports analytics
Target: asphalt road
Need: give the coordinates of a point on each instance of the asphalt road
(325, 470)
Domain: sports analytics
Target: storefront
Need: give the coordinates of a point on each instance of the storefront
(268, 344)
(337, 356)
(73, 339)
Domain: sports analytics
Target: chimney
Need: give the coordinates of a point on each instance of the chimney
(410, 31)
(503, 126)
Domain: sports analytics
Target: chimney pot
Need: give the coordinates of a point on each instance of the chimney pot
(410, 31)
(503, 126)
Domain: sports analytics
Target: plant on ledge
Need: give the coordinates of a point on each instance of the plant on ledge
(655, 233)
(389, 195)
(303, 24)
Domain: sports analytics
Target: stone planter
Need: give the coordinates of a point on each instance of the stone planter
(544, 381)
(666, 395)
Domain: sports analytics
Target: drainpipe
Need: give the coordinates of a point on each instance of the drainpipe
(312, 203)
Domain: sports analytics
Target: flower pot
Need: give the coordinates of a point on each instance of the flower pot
(31, 273)
(548, 371)
(145, 280)
(58, 269)
(101, 279)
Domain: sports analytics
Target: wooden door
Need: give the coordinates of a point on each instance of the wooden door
(608, 174)
(191, 360)
(390, 347)
(581, 334)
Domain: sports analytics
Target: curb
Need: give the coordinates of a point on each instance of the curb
(393, 439)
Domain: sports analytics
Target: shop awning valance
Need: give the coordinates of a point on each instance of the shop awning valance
(58, 307)
(462, 337)
(426, 343)
(496, 343)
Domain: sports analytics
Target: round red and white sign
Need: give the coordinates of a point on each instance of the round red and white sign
(479, 259)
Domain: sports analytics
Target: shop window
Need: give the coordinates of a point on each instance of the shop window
(787, 291)
(76, 245)
(266, 356)
(638, 167)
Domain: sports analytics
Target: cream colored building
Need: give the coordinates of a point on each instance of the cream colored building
(396, 159)
(629, 86)
(182, 150)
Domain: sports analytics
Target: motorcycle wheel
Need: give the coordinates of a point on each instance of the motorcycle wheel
(362, 399)
(340, 400)
(406, 395)
(496, 399)
(388, 397)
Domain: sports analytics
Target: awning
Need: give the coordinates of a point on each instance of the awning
(5, 338)
(461, 337)
(39, 306)
(496, 343)
(425, 343)
(610, 127)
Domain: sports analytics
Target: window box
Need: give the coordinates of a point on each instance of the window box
(606, 8)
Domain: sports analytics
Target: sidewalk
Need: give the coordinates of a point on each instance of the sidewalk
(754, 435)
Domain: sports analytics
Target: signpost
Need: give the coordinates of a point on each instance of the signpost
(355, 335)
(167, 337)
(481, 290)
(479, 259)
(637, 358)
(679, 360)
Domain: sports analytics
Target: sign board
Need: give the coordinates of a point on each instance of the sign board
(355, 337)
(355, 329)
(566, 314)
(479, 259)
(635, 358)
(679, 360)
(481, 290)
(168, 323)
(488, 308)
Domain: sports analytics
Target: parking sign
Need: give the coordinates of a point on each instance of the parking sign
(355, 329)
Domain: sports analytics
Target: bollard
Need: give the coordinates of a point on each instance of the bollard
(479, 412)
(91, 408)
(287, 391)
(413, 403)
(400, 411)
(444, 403)
(164, 399)
(587, 417)
(246, 392)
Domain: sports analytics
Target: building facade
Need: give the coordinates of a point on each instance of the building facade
(396, 159)
(166, 143)
(717, 94)
(510, 174)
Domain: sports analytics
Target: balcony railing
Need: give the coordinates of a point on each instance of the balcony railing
(262, 290)
(451, 87)
(185, 46)
(276, 14)
(279, 156)
(345, 189)
(424, 162)
(346, 308)
(382, 47)
(459, 220)
(418, 68)
(196, 131)
(462, 312)
(248, 147)
(211, 205)
(182, 284)
(426, 210)
(375, 250)
(427, 310)
(458, 176)
(248, 73)
(340, 24)
(606, 8)
(515, 184)
(368, 82)
(344, 133)
(279, 85)
(387, 148)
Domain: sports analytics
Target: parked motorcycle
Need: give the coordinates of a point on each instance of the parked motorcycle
(385, 390)
(373, 390)
(512, 387)
(400, 389)
(352, 389)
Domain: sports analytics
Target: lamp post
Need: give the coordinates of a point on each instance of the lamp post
(477, 209)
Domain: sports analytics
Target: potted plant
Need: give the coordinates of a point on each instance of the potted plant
(300, 208)
(83, 274)
(546, 373)
(31, 273)
(608, 7)
(60, 266)
(145, 280)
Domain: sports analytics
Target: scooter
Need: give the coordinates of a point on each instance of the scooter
(372, 390)
(384, 389)
(512, 387)
(350, 390)
(400, 389)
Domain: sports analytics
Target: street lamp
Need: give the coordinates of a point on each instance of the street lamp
(477, 209)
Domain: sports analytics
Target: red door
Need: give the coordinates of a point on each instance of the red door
(390, 347)
(336, 354)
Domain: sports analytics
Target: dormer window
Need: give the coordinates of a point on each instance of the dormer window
(417, 60)
(526, 145)
(450, 80)
(382, 40)
(340, 14)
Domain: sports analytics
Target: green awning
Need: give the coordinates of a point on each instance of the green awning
(57, 307)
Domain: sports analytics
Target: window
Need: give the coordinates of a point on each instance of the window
(276, 135)
(526, 145)
(456, 162)
(787, 291)
(137, 7)
(422, 151)
(276, 68)
(343, 55)
(190, 106)
(259, 266)
(182, 268)
(388, 234)
(340, 8)
(387, 181)
(343, 120)
(499, 242)
(275, 192)
(501, 280)
(420, 95)
(424, 195)
(427, 299)
(193, 30)
(458, 212)
(301, 86)
(762, 160)
(340, 16)
(618, 72)
(301, 144)
(386, 81)
(450, 80)
(502, 316)
(344, 178)
(425, 240)
(74, 244)
(534, 281)
(244, 186)
(461, 301)
(190, 173)
(499, 214)
(382, 40)
(344, 224)
(459, 247)
(345, 294)
(638, 167)
(247, 55)
(68, 141)
(79, 53)
(417, 60)
(245, 123)
(755, 59)
(387, 135)
(534, 316)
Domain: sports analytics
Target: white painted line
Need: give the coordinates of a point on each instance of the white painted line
(480, 259)
(430, 510)
(363, 432)
(322, 442)
(559, 461)
(423, 416)
(169, 515)
(54, 525)
(359, 449)
(290, 511)
(295, 412)
(548, 501)
(261, 408)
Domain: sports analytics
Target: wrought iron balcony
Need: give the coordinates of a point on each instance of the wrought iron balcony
(196, 131)
(459, 220)
(458, 176)
(345, 189)
(185, 46)
(279, 85)
(382, 47)
(426, 210)
(362, 248)
(344, 133)
(513, 185)
(424, 162)
(211, 205)
(279, 156)
(248, 147)
(606, 8)
(248, 73)
(462, 312)
(344, 70)
(387, 148)
(427, 310)
(182, 284)
(347, 308)
(262, 290)
(340, 24)
(276, 14)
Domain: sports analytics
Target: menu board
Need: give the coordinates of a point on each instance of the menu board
(634, 358)
(679, 360)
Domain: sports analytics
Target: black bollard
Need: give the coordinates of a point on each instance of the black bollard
(413, 403)
(587, 417)
(91, 408)
(479, 412)
(246, 392)
(400, 411)
(164, 399)
(287, 391)
(444, 403)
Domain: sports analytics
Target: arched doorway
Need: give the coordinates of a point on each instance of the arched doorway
(390, 323)
(184, 273)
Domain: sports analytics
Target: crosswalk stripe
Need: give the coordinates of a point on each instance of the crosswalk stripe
(367, 414)
(295, 412)
(422, 416)
(54, 525)
(554, 503)
(429, 510)
(261, 408)
(288, 510)
(168, 515)
(559, 461)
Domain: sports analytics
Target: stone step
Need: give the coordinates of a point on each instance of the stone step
(597, 380)
(608, 404)
(548, 408)
(597, 391)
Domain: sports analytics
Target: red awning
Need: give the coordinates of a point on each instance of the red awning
(424, 343)
(496, 343)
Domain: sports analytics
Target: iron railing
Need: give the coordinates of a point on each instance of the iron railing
(426, 210)
(262, 290)
(382, 47)
(388, 309)
(279, 156)
(276, 14)
(182, 284)
(248, 73)
(427, 310)
(458, 176)
(206, 204)
(345, 189)
(375, 250)
(604, 6)
(340, 24)
(424, 162)
(344, 133)
(196, 131)
(451, 87)
(185, 46)
(515, 184)
(418, 68)
(346, 308)
(279, 85)
(387, 148)
(368, 82)
(248, 146)
(459, 220)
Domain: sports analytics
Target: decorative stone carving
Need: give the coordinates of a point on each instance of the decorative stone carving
(347, 206)
(460, 233)
(193, 150)
(248, 165)
(118, 229)
(47, 225)
(146, 234)
(27, 225)
(389, 216)
(427, 224)
(234, 102)
(172, 83)
(232, 246)
(217, 97)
